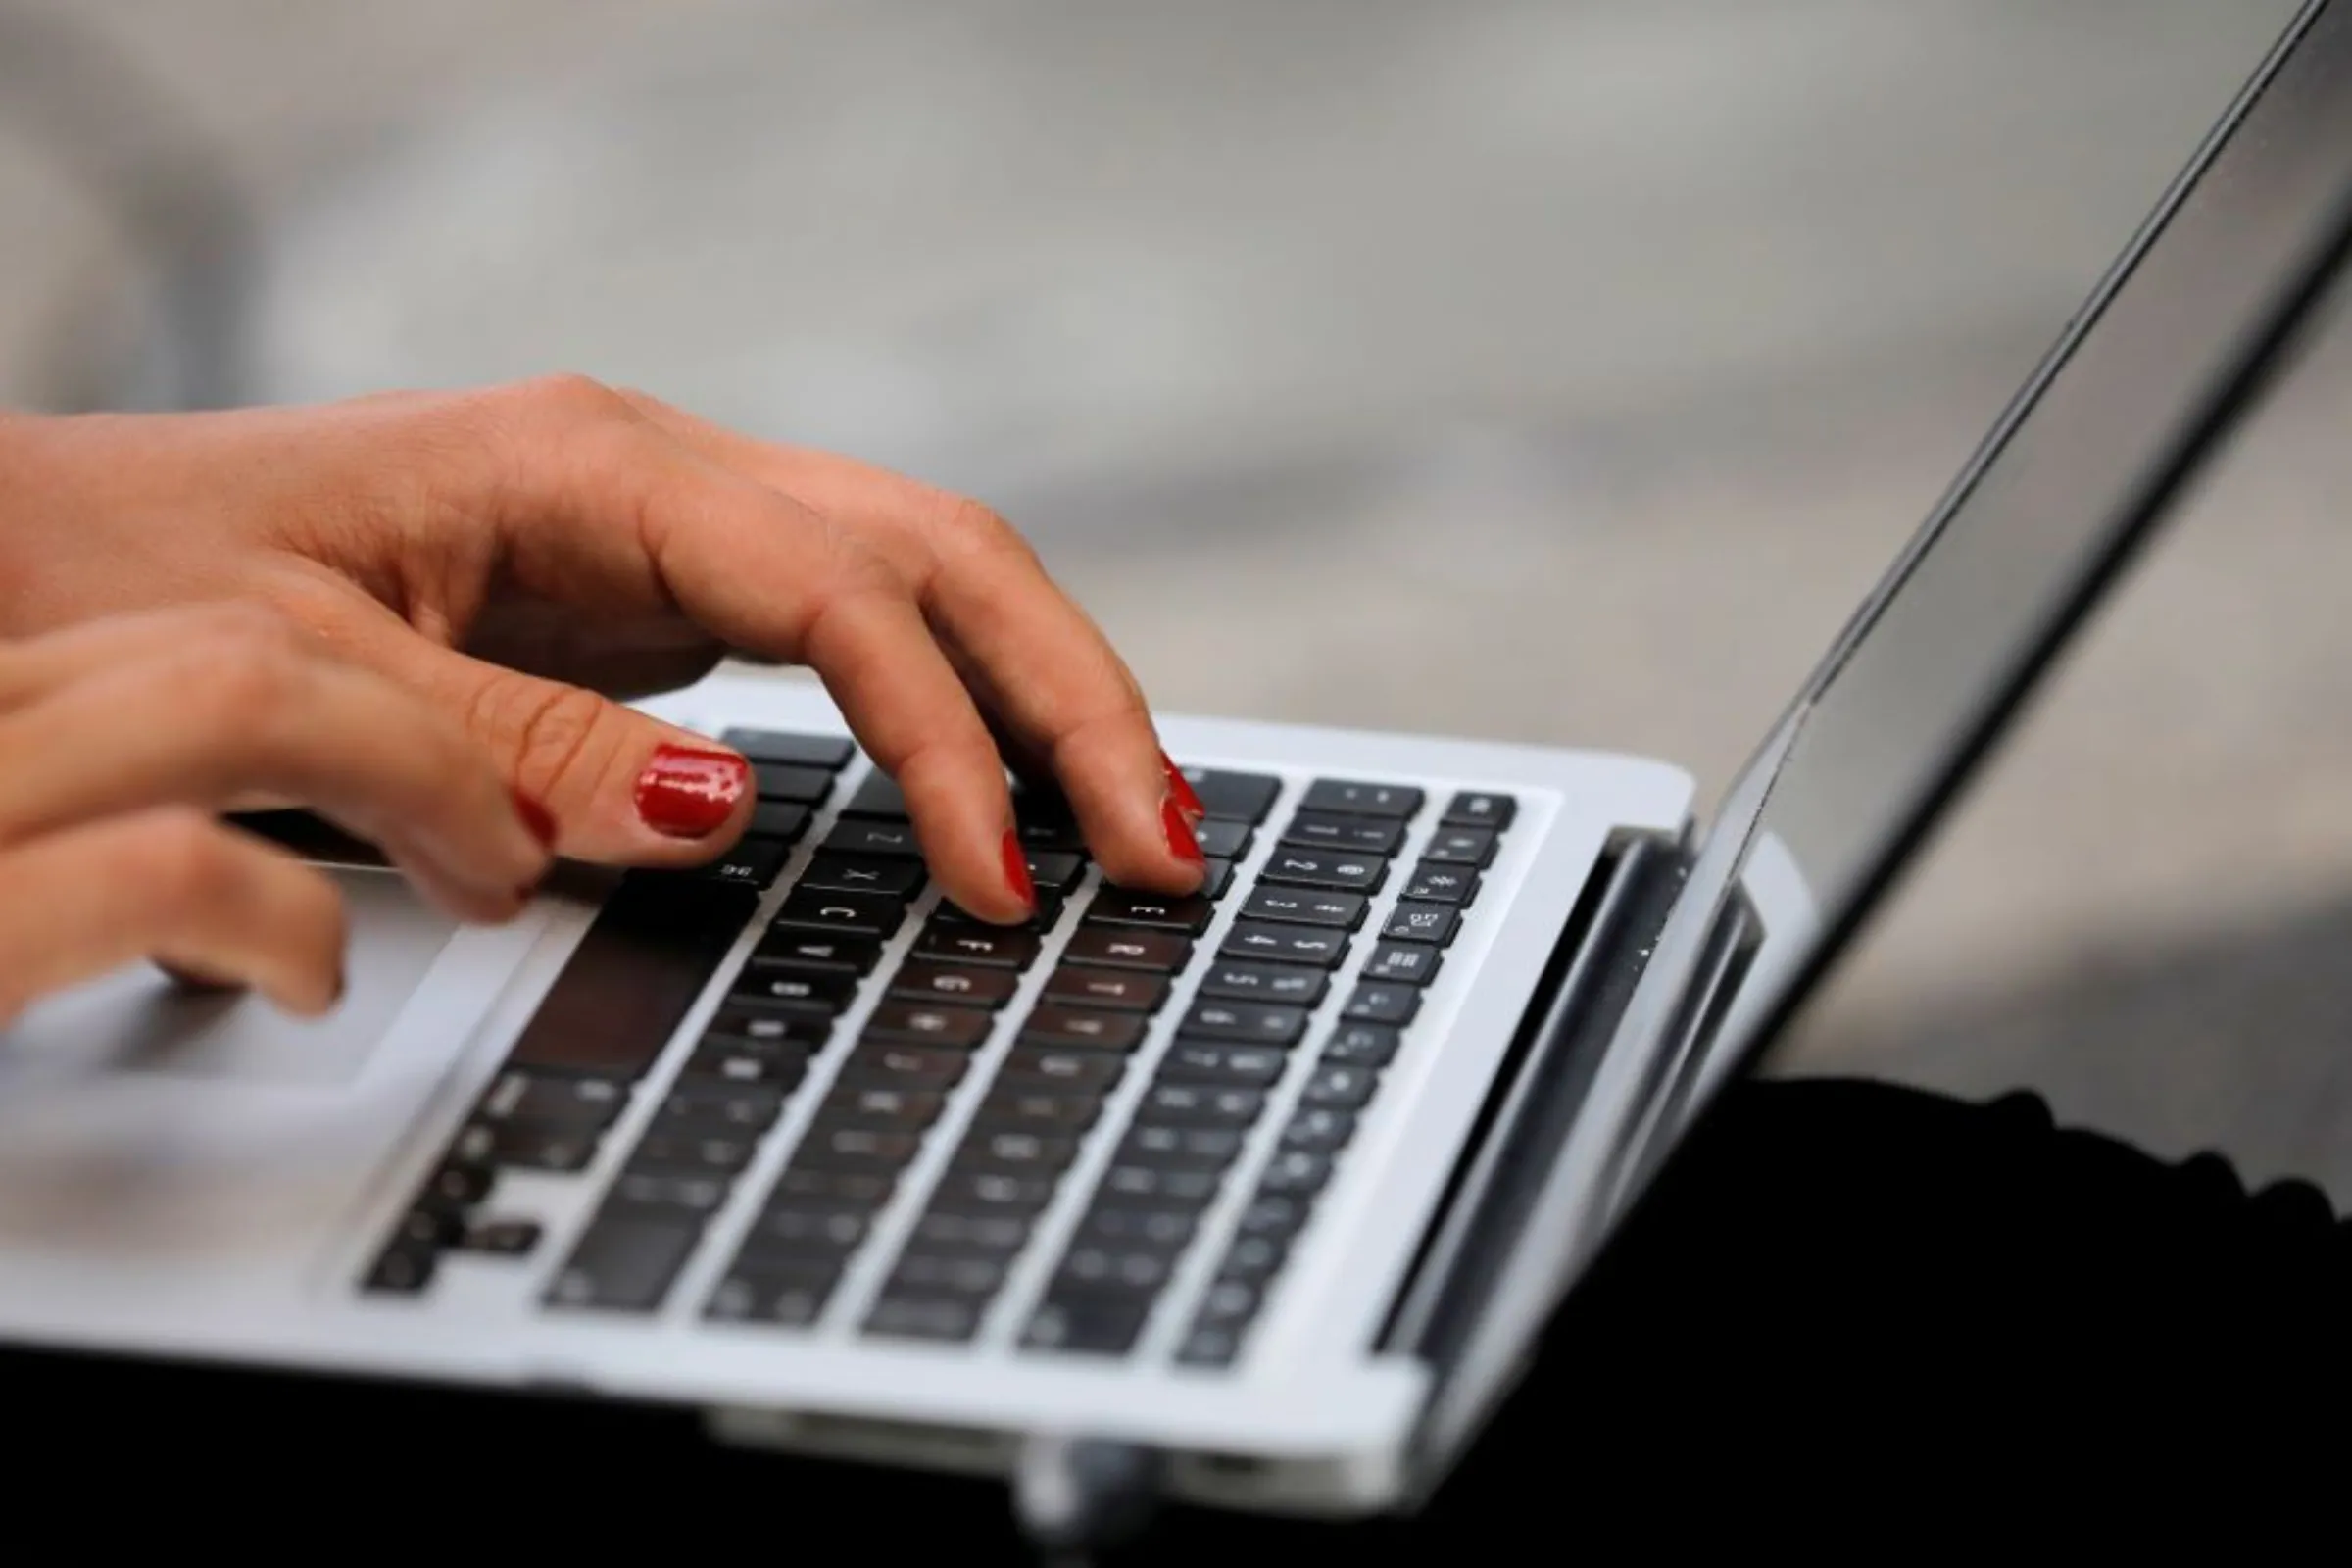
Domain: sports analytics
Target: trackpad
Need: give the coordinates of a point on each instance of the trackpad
(138, 1022)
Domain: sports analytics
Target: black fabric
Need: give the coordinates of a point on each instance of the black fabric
(1845, 1303)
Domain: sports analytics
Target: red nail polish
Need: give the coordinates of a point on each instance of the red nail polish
(1181, 789)
(689, 793)
(535, 817)
(1181, 842)
(1016, 870)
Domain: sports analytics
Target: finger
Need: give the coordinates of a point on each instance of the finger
(245, 708)
(1032, 658)
(82, 903)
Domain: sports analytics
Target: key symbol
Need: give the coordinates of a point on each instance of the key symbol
(950, 983)
(1128, 950)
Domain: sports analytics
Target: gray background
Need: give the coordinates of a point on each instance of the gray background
(1558, 372)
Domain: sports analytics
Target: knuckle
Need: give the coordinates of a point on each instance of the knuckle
(968, 525)
(572, 398)
(554, 733)
(186, 862)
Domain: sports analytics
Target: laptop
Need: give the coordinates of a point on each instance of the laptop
(1258, 1197)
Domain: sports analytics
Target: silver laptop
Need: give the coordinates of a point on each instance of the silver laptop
(1274, 1186)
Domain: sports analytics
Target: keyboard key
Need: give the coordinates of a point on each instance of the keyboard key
(1273, 1216)
(1407, 964)
(946, 1274)
(1296, 1173)
(959, 1028)
(1132, 1269)
(977, 1193)
(1341, 912)
(781, 1064)
(1353, 835)
(1080, 1029)
(429, 1227)
(1478, 809)
(805, 1231)
(998, 947)
(547, 1149)
(653, 1190)
(967, 985)
(1216, 877)
(1019, 1154)
(863, 1191)
(1038, 1110)
(1146, 1227)
(1423, 922)
(1319, 1129)
(781, 781)
(830, 751)
(1434, 883)
(1181, 1148)
(1193, 1189)
(905, 1067)
(1344, 1088)
(1253, 1259)
(774, 1022)
(1056, 871)
(884, 1109)
(1053, 837)
(1243, 981)
(924, 1317)
(878, 796)
(678, 1154)
(809, 950)
(1264, 1023)
(970, 1233)
(720, 1107)
(1152, 910)
(625, 1264)
(1117, 948)
(1130, 989)
(1049, 914)
(775, 1293)
(1461, 846)
(1243, 798)
(630, 982)
(1208, 1348)
(1338, 869)
(1231, 1303)
(752, 862)
(1236, 1066)
(892, 875)
(1030, 1067)
(1284, 944)
(1362, 1045)
(856, 1150)
(1399, 801)
(855, 914)
(867, 836)
(778, 819)
(458, 1183)
(405, 1268)
(564, 1099)
(1223, 838)
(1377, 1002)
(1088, 1324)
(1197, 1104)
(501, 1238)
(830, 989)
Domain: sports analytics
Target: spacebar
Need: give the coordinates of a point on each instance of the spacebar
(629, 983)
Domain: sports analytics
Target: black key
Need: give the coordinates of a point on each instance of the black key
(1223, 838)
(632, 979)
(998, 947)
(1243, 981)
(878, 796)
(501, 1238)
(964, 984)
(1273, 1216)
(1441, 884)
(802, 786)
(626, 1263)
(1154, 911)
(905, 1067)
(1382, 1003)
(1296, 1173)
(1031, 1067)
(935, 1232)
(755, 1107)
(642, 1191)
(1341, 912)
(863, 1190)
(1090, 1268)
(925, 1273)
(1114, 948)
(1064, 1113)
(890, 874)
(752, 862)
(1347, 1088)
(1128, 990)
(1352, 835)
(429, 1227)
(404, 1269)
(1362, 1045)
(830, 751)
(974, 1193)
(1053, 837)
(926, 1024)
(1082, 1029)
(889, 1109)
(1230, 1302)
(780, 821)
(1260, 1023)
(1319, 1129)
(1017, 1154)
(767, 1290)
(1423, 922)
(686, 1154)
(1245, 797)
(853, 914)
(856, 1150)
(1139, 1227)
(528, 1148)
(830, 989)
(1285, 944)
(782, 1064)
(563, 1099)
(1181, 1148)
(867, 836)
(1216, 877)
(1404, 963)
(1056, 871)
(924, 1317)
(1472, 847)
(1479, 808)
(1048, 915)
(1253, 1259)
(811, 1231)
(1339, 869)
(1089, 1323)
(774, 1023)
(1239, 1066)
(1196, 1105)
(457, 1185)
(1208, 1347)
(809, 950)
(1125, 1184)
(1399, 801)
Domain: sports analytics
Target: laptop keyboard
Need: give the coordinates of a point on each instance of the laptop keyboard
(1288, 1014)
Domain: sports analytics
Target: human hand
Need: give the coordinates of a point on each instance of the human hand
(521, 556)
(122, 738)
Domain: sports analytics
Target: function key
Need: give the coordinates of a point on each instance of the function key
(1378, 1002)
(1441, 884)
(1480, 809)
(1423, 922)
(1154, 910)
(1343, 911)
(865, 835)
(1285, 944)
(893, 875)
(1240, 980)
(1473, 847)
(957, 1028)
(1221, 836)
(1409, 963)
(859, 914)
(1363, 835)
(777, 820)
(1240, 797)
(1116, 949)
(967, 985)
(1338, 869)
(1130, 989)
(801, 786)
(830, 751)
(995, 946)
(878, 796)
(1398, 801)
(810, 950)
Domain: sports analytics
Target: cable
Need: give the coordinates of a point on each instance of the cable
(1078, 1498)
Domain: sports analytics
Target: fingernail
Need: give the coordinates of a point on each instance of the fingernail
(535, 817)
(689, 793)
(1180, 789)
(1016, 870)
(1181, 842)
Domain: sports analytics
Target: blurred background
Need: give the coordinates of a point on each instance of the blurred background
(1558, 370)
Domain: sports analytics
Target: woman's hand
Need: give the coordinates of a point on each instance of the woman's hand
(122, 739)
(516, 557)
